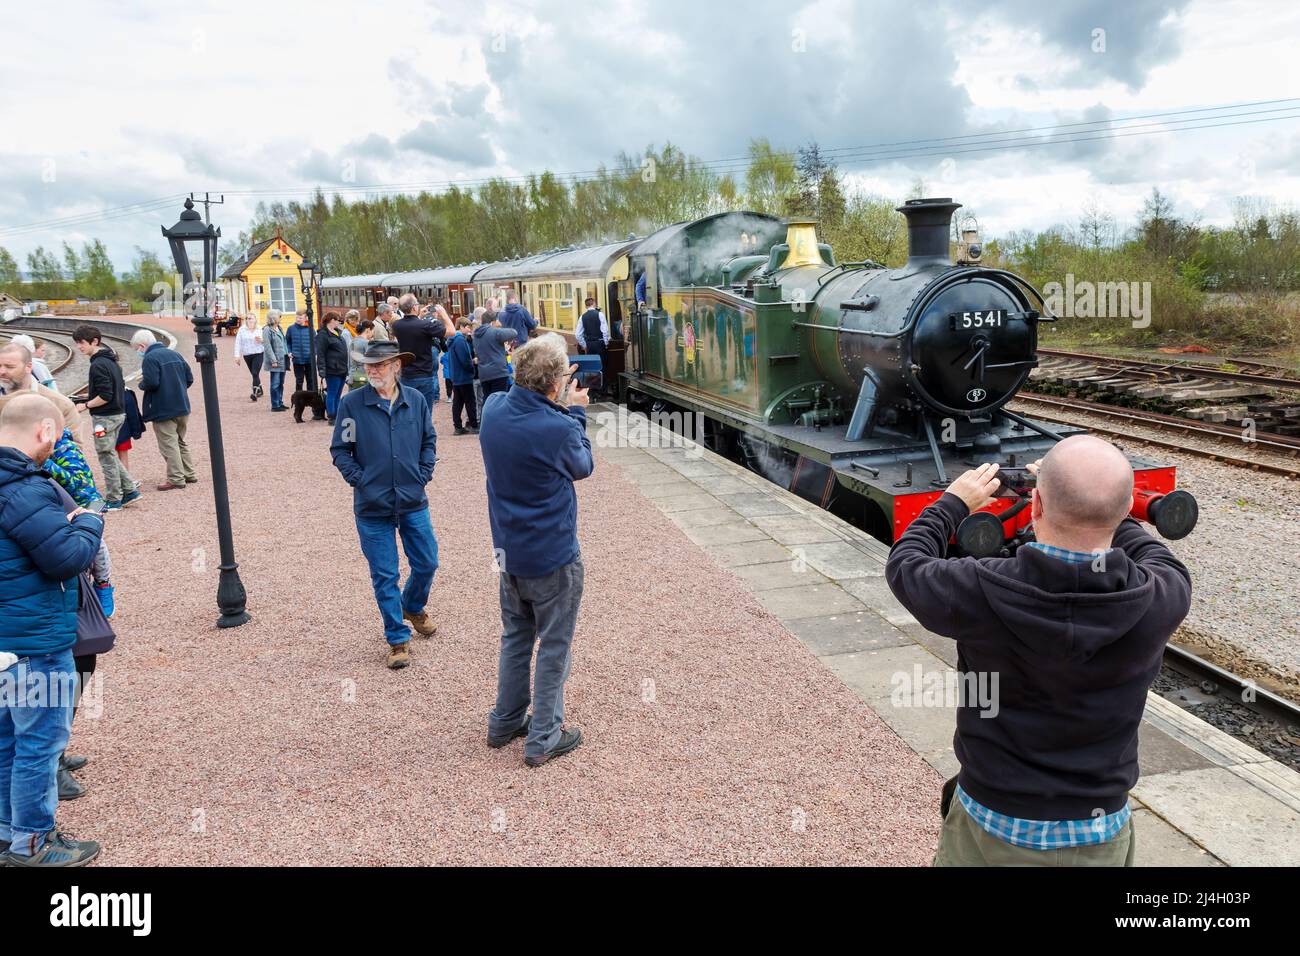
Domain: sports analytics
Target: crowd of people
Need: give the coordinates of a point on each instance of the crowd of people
(1073, 623)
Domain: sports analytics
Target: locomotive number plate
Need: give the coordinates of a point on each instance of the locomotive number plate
(988, 319)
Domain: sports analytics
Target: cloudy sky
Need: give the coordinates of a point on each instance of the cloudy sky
(112, 111)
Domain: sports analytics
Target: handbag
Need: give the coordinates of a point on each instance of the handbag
(94, 634)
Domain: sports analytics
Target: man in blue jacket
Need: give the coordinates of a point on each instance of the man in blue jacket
(1061, 643)
(302, 349)
(385, 448)
(535, 446)
(42, 551)
(165, 379)
(518, 318)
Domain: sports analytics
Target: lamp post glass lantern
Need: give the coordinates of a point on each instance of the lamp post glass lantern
(310, 276)
(192, 233)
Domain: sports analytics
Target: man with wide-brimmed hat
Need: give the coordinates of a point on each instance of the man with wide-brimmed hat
(384, 446)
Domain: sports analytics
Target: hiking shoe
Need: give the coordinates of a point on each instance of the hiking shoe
(473, 429)
(399, 655)
(105, 594)
(569, 740)
(460, 431)
(112, 505)
(59, 850)
(499, 742)
(133, 496)
(69, 788)
(423, 624)
(72, 763)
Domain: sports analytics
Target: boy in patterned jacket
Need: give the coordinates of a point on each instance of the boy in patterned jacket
(67, 465)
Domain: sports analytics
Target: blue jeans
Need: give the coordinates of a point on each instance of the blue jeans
(379, 545)
(428, 387)
(333, 389)
(542, 610)
(277, 387)
(36, 697)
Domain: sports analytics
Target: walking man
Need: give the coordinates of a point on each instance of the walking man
(1061, 642)
(385, 447)
(165, 379)
(42, 552)
(420, 337)
(106, 402)
(535, 446)
(302, 347)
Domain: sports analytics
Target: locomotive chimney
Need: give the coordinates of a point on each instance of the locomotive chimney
(929, 222)
(801, 238)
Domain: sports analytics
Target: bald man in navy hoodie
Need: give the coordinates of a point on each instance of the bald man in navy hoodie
(1074, 628)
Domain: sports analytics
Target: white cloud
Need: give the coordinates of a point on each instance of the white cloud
(268, 101)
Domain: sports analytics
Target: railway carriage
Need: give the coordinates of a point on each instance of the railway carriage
(362, 293)
(453, 286)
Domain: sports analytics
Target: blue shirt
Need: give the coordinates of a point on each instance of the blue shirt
(386, 455)
(1073, 557)
(533, 452)
(1045, 834)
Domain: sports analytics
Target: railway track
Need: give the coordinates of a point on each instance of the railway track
(1173, 428)
(1187, 368)
(70, 370)
(1254, 697)
(1266, 404)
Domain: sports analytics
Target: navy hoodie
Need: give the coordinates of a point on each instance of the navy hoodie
(41, 554)
(1074, 648)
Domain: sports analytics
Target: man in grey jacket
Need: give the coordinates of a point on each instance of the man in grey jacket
(490, 349)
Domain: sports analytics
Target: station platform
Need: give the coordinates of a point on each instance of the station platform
(1203, 797)
(711, 735)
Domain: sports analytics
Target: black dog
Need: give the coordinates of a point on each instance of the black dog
(304, 400)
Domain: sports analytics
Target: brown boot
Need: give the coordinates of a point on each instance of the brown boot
(399, 655)
(422, 623)
(169, 486)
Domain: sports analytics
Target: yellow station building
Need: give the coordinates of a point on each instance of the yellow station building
(266, 278)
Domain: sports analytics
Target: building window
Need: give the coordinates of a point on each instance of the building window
(282, 297)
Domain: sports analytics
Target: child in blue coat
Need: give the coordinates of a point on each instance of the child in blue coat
(460, 377)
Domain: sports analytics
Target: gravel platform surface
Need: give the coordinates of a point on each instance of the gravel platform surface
(712, 735)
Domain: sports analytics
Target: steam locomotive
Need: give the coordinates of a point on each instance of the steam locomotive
(860, 388)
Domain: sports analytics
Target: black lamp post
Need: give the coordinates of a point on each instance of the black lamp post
(310, 275)
(192, 232)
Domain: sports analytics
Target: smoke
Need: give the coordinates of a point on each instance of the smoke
(734, 234)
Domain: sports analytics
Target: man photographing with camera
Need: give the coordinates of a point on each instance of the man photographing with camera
(1074, 626)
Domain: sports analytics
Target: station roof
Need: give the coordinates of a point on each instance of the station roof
(442, 275)
(353, 282)
(588, 260)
